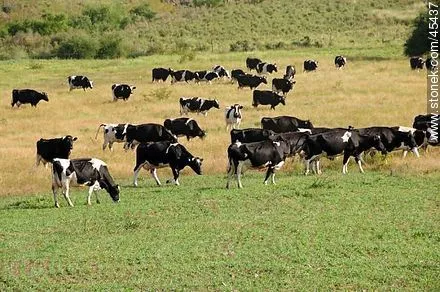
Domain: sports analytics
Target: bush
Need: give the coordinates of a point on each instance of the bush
(110, 47)
(242, 46)
(142, 12)
(208, 3)
(417, 44)
(49, 24)
(77, 47)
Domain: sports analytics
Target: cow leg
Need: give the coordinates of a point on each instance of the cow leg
(345, 163)
(239, 170)
(153, 172)
(55, 191)
(404, 153)
(231, 172)
(358, 161)
(176, 176)
(38, 160)
(307, 166)
(66, 192)
(137, 169)
(270, 172)
(90, 194)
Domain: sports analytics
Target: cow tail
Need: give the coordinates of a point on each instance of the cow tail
(97, 132)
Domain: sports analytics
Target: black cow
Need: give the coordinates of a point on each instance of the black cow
(161, 74)
(270, 154)
(416, 63)
(48, 149)
(89, 172)
(251, 63)
(283, 124)
(425, 122)
(122, 91)
(205, 76)
(295, 140)
(430, 64)
(182, 75)
(290, 72)
(156, 155)
(267, 97)
(23, 96)
(197, 105)
(250, 135)
(310, 65)
(264, 68)
(221, 71)
(143, 133)
(78, 82)
(184, 127)
(112, 133)
(340, 61)
(251, 81)
(235, 73)
(282, 85)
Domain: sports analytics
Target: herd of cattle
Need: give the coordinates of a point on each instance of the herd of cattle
(266, 147)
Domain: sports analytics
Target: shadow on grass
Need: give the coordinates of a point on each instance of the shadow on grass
(33, 203)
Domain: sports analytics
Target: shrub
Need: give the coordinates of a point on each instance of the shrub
(242, 46)
(207, 3)
(417, 43)
(110, 47)
(77, 47)
(142, 12)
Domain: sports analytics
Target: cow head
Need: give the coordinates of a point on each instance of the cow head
(263, 79)
(378, 144)
(132, 88)
(306, 124)
(216, 104)
(44, 96)
(170, 71)
(196, 164)
(237, 110)
(68, 140)
(281, 99)
(273, 67)
(112, 190)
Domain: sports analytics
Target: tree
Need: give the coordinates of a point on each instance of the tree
(418, 44)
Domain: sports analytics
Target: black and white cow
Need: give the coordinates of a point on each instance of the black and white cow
(310, 65)
(152, 156)
(160, 74)
(23, 96)
(221, 71)
(283, 124)
(113, 133)
(267, 97)
(197, 105)
(235, 73)
(266, 68)
(416, 63)
(250, 135)
(431, 63)
(251, 81)
(122, 91)
(290, 73)
(184, 127)
(78, 82)
(182, 75)
(421, 137)
(295, 140)
(143, 133)
(251, 63)
(233, 116)
(265, 154)
(48, 149)
(207, 76)
(89, 172)
(282, 85)
(340, 62)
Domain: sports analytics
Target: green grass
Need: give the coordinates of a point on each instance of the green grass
(374, 231)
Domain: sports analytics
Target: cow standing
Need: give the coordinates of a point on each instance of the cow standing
(252, 63)
(251, 81)
(283, 124)
(340, 62)
(197, 105)
(78, 82)
(184, 127)
(282, 85)
(290, 73)
(122, 91)
(221, 71)
(23, 96)
(161, 74)
(310, 65)
(250, 135)
(143, 133)
(233, 116)
(49, 149)
(267, 97)
(416, 63)
(182, 76)
(266, 68)
(113, 133)
(235, 73)
(207, 76)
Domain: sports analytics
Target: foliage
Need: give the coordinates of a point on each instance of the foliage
(208, 3)
(417, 44)
(49, 24)
(243, 46)
(142, 12)
(81, 46)
(110, 47)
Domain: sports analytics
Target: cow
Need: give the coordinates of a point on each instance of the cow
(233, 116)
(49, 149)
(112, 133)
(122, 91)
(250, 135)
(431, 63)
(421, 137)
(290, 73)
(78, 82)
(310, 65)
(143, 133)
(282, 85)
(205, 76)
(235, 73)
(340, 62)
(251, 63)
(265, 154)
(251, 81)
(23, 96)
(182, 75)
(295, 140)
(197, 105)
(161, 74)
(184, 127)
(89, 172)
(267, 97)
(425, 122)
(283, 124)
(152, 156)
(265, 68)
(416, 63)
(221, 71)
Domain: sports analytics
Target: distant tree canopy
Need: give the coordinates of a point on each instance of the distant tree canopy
(417, 43)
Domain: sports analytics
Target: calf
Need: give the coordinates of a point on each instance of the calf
(112, 133)
(197, 105)
(147, 133)
(161, 74)
(264, 154)
(267, 97)
(156, 155)
(250, 81)
(416, 63)
(290, 73)
(78, 82)
(49, 149)
(233, 116)
(122, 91)
(22, 96)
(250, 135)
(265, 68)
(283, 124)
(182, 75)
(340, 62)
(310, 65)
(184, 127)
(89, 172)
(282, 85)
(251, 63)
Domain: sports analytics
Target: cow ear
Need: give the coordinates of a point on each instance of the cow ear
(240, 107)
(75, 138)
(201, 159)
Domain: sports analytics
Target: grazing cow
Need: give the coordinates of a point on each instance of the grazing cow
(235, 73)
(250, 135)
(182, 75)
(265, 154)
(112, 133)
(22, 96)
(340, 61)
(89, 172)
(267, 97)
(283, 124)
(290, 72)
(184, 127)
(310, 65)
(430, 64)
(265, 68)
(221, 71)
(161, 74)
(143, 133)
(122, 91)
(197, 105)
(282, 85)
(233, 116)
(156, 155)
(78, 82)
(251, 81)
(416, 63)
(205, 76)
(251, 63)
(48, 149)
